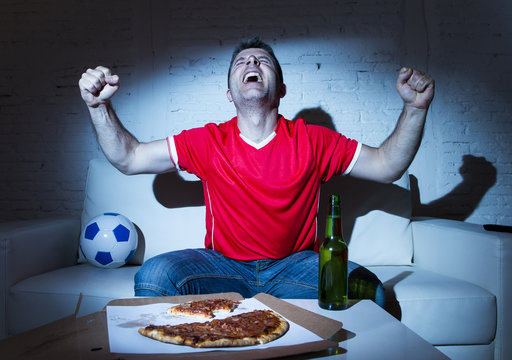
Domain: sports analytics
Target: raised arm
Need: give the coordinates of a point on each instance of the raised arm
(388, 162)
(122, 149)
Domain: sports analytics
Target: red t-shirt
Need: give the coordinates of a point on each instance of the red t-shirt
(262, 202)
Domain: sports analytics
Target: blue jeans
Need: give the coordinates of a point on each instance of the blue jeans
(203, 271)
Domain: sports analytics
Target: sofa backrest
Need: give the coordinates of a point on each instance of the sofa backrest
(169, 212)
(163, 226)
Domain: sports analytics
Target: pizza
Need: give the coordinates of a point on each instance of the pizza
(250, 328)
(203, 309)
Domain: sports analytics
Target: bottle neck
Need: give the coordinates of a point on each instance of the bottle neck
(333, 224)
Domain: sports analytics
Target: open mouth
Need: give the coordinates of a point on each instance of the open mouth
(252, 77)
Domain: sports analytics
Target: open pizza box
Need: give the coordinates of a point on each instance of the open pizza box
(87, 337)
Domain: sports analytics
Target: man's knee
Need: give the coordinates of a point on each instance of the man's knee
(168, 274)
(156, 277)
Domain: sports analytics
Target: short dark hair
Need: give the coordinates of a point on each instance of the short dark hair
(255, 43)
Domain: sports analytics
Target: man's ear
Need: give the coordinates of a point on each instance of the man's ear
(282, 91)
(228, 94)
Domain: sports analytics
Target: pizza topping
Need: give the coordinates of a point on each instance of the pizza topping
(204, 308)
(256, 327)
(247, 324)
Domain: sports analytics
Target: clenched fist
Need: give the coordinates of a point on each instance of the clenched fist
(98, 85)
(415, 88)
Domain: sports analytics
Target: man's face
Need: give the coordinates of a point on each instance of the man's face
(253, 77)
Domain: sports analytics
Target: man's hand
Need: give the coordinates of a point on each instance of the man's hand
(388, 162)
(121, 148)
(415, 88)
(97, 86)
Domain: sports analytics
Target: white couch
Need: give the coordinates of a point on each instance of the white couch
(448, 281)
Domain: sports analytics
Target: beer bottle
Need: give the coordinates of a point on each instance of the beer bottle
(333, 273)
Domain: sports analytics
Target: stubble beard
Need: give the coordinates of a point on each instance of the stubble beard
(255, 101)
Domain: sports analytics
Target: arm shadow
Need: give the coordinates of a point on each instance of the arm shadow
(172, 191)
(360, 197)
(478, 176)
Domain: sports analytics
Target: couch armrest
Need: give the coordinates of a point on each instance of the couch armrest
(32, 247)
(468, 252)
(463, 250)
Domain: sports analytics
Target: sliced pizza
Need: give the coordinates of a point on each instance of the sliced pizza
(203, 309)
(251, 328)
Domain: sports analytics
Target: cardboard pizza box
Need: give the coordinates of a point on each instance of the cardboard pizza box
(87, 337)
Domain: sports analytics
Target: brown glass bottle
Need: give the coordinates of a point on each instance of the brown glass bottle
(333, 262)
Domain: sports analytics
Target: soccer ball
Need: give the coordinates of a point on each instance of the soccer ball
(108, 240)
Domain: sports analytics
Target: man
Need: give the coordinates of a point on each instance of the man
(261, 176)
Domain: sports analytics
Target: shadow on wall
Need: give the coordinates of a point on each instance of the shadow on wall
(172, 191)
(478, 176)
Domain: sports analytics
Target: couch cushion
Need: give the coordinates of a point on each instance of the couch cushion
(150, 202)
(442, 310)
(54, 295)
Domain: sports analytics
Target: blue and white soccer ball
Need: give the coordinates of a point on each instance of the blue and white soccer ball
(108, 240)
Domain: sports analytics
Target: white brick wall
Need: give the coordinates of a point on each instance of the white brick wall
(340, 56)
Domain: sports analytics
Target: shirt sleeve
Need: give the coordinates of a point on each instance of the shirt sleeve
(190, 151)
(354, 159)
(171, 147)
(335, 154)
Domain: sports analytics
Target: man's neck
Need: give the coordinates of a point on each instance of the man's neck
(257, 126)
